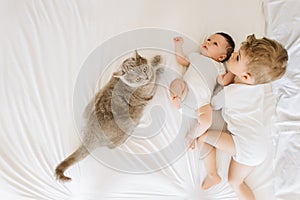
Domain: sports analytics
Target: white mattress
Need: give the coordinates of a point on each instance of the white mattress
(45, 46)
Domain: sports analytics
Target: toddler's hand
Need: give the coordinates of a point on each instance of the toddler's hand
(178, 41)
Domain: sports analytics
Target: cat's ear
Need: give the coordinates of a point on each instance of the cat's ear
(137, 55)
(118, 74)
(139, 59)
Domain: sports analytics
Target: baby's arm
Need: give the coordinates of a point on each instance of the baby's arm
(226, 79)
(180, 56)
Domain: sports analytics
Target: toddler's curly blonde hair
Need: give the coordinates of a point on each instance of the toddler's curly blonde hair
(267, 59)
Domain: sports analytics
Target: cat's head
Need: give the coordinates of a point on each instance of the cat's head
(136, 72)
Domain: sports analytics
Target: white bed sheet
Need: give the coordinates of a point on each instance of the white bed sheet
(44, 45)
(283, 24)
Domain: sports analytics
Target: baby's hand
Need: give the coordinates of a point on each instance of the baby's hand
(176, 101)
(178, 41)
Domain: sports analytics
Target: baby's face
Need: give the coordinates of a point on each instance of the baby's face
(215, 47)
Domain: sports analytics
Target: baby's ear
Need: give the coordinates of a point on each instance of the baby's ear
(222, 57)
(118, 74)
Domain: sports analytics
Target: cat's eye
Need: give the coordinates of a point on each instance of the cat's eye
(145, 69)
(138, 79)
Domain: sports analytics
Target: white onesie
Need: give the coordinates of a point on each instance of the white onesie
(247, 110)
(201, 77)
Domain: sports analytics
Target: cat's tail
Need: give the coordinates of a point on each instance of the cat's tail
(75, 157)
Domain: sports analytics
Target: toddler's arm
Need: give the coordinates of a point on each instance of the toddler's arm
(180, 56)
(226, 79)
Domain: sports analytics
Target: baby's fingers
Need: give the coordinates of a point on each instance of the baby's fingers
(177, 39)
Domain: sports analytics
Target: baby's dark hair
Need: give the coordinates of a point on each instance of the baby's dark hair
(231, 45)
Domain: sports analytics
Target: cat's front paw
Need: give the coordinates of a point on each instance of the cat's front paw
(156, 60)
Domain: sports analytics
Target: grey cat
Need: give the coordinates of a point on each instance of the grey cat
(115, 111)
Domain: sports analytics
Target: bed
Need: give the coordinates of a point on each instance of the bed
(54, 54)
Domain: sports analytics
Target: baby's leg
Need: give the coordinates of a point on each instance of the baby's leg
(237, 174)
(221, 140)
(212, 178)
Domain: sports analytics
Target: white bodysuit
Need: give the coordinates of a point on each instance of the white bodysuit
(201, 77)
(247, 110)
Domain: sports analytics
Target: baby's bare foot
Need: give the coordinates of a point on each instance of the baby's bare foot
(211, 180)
